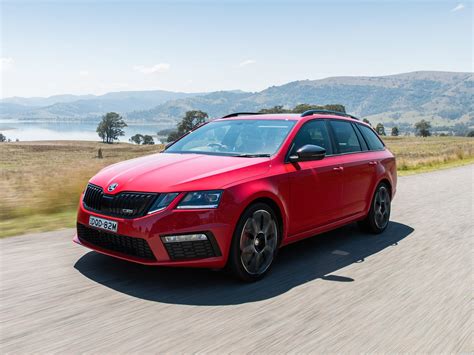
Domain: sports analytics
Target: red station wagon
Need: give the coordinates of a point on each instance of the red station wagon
(234, 190)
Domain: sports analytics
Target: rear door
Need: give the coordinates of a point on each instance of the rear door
(359, 173)
(315, 186)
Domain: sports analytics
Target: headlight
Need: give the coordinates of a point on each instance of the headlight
(162, 202)
(201, 199)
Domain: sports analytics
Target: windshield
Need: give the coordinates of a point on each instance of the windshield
(235, 137)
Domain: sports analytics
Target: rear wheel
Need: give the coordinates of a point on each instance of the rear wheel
(379, 213)
(255, 243)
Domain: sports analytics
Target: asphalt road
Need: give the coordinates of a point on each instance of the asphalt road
(407, 290)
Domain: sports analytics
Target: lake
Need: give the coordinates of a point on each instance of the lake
(67, 130)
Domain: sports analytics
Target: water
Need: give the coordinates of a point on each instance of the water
(62, 130)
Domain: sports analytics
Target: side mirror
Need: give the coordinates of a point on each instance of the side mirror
(308, 152)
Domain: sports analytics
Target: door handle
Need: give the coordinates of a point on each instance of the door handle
(339, 168)
(373, 163)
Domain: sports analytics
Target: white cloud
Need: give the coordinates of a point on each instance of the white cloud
(458, 8)
(157, 68)
(6, 63)
(247, 62)
(84, 73)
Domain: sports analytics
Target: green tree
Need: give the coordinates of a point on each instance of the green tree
(470, 133)
(190, 121)
(2, 138)
(173, 136)
(137, 138)
(380, 129)
(395, 131)
(274, 109)
(300, 108)
(365, 120)
(335, 107)
(165, 132)
(111, 127)
(422, 128)
(148, 140)
(305, 107)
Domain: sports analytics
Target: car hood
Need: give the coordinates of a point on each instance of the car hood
(169, 172)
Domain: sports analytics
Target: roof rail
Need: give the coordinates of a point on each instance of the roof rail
(235, 114)
(327, 112)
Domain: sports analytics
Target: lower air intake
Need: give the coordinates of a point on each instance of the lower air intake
(136, 247)
(192, 250)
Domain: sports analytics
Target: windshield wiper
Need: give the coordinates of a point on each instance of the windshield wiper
(261, 155)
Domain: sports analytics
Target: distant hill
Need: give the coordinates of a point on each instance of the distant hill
(44, 101)
(445, 98)
(85, 106)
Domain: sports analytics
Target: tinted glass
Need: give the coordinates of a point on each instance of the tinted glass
(314, 132)
(362, 142)
(235, 137)
(371, 137)
(346, 138)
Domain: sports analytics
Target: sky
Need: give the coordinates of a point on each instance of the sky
(92, 47)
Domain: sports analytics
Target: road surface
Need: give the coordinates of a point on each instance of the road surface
(407, 290)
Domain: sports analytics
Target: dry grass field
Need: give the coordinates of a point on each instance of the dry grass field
(416, 154)
(40, 182)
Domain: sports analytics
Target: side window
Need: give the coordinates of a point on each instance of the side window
(372, 139)
(314, 132)
(362, 142)
(346, 138)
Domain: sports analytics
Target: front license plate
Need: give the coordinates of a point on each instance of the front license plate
(104, 224)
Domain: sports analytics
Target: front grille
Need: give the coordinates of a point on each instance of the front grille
(193, 250)
(136, 247)
(124, 204)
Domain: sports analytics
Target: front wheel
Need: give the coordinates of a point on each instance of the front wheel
(379, 214)
(255, 243)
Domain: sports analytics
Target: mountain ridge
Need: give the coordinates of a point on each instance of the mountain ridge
(443, 97)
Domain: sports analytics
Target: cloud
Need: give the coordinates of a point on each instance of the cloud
(247, 62)
(84, 73)
(157, 68)
(458, 8)
(6, 63)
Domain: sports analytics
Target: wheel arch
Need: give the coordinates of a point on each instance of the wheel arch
(276, 207)
(382, 180)
(386, 181)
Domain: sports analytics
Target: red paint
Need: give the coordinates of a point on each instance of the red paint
(312, 197)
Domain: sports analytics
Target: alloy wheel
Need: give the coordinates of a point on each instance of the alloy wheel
(382, 207)
(258, 242)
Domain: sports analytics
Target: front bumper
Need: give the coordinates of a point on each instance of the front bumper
(147, 231)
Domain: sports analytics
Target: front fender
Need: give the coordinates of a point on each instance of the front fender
(274, 189)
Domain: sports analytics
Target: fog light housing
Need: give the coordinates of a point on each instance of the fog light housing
(184, 238)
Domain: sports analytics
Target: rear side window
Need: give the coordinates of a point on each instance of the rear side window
(314, 132)
(371, 138)
(362, 142)
(346, 137)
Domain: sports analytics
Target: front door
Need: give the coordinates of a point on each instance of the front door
(315, 186)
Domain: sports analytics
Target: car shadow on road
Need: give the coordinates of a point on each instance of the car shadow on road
(317, 257)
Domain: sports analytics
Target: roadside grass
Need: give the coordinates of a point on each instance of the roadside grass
(417, 154)
(40, 182)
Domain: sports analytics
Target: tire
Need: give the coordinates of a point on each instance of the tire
(379, 214)
(255, 243)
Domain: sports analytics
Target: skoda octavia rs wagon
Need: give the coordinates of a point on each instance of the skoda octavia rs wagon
(236, 189)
